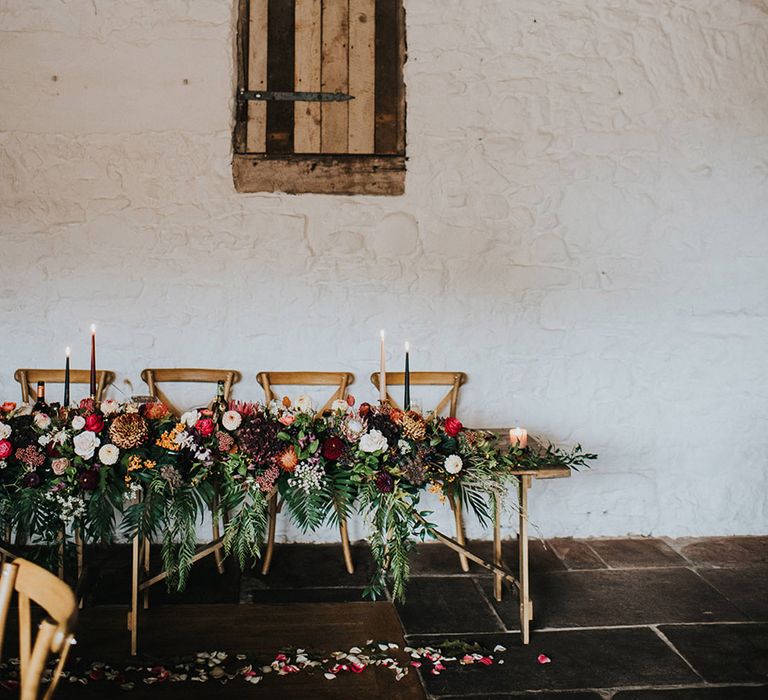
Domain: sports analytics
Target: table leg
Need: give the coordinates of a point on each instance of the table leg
(133, 614)
(216, 534)
(344, 533)
(270, 534)
(497, 580)
(459, 521)
(526, 606)
(145, 567)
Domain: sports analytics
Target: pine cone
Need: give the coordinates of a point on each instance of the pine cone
(414, 426)
(128, 431)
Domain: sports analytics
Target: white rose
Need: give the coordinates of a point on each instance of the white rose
(110, 407)
(340, 405)
(5, 431)
(373, 441)
(44, 439)
(231, 420)
(190, 417)
(453, 464)
(86, 444)
(42, 420)
(303, 403)
(78, 423)
(108, 454)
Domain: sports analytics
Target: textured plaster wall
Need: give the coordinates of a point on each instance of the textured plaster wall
(584, 230)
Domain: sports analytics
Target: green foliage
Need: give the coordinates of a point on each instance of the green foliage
(244, 533)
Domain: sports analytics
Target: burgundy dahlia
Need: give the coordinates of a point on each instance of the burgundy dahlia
(333, 448)
(88, 480)
(31, 480)
(384, 482)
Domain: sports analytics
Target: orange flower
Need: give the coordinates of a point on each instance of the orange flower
(155, 410)
(8, 406)
(288, 459)
(286, 402)
(396, 416)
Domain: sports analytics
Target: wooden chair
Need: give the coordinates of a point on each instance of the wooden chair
(28, 379)
(454, 380)
(155, 376)
(340, 380)
(55, 634)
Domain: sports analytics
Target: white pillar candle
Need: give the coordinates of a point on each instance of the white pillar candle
(518, 436)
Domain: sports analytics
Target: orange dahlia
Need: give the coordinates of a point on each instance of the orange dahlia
(288, 459)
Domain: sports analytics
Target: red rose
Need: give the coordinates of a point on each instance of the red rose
(8, 406)
(5, 449)
(350, 400)
(205, 427)
(365, 409)
(94, 423)
(453, 426)
(333, 448)
(88, 480)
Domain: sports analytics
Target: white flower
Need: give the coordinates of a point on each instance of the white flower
(109, 407)
(108, 454)
(5, 431)
(44, 439)
(131, 407)
(340, 405)
(231, 420)
(354, 426)
(373, 441)
(42, 420)
(78, 423)
(307, 477)
(24, 410)
(86, 444)
(453, 464)
(190, 417)
(404, 446)
(303, 403)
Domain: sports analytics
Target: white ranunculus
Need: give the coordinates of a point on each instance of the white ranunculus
(453, 464)
(108, 454)
(5, 431)
(373, 441)
(78, 423)
(231, 420)
(303, 403)
(109, 407)
(42, 420)
(86, 444)
(340, 405)
(190, 417)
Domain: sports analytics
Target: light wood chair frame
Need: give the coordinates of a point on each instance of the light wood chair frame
(340, 380)
(28, 378)
(140, 560)
(55, 634)
(453, 380)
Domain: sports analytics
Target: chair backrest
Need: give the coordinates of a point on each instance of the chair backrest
(340, 380)
(28, 378)
(54, 635)
(454, 380)
(154, 376)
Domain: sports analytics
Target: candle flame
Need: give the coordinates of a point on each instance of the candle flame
(93, 329)
(382, 334)
(407, 346)
(68, 351)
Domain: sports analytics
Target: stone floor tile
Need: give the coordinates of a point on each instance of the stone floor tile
(610, 597)
(745, 586)
(736, 692)
(450, 605)
(302, 595)
(576, 554)
(581, 659)
(629, 553)
(435, 559)
(723, 653)
(314, 566)
(727, 551)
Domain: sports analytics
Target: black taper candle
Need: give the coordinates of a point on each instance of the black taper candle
(66, 382)
(407, 398)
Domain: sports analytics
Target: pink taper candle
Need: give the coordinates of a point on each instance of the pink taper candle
(382, 371)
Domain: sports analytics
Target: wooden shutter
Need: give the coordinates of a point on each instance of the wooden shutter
(352, 47)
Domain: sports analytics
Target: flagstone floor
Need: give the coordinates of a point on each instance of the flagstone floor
(620, 619)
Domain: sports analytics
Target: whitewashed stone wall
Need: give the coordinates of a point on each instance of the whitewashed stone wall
(584, 230)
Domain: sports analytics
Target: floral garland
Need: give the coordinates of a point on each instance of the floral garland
(78, 470)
